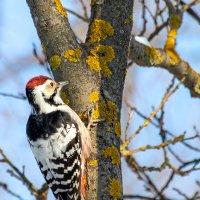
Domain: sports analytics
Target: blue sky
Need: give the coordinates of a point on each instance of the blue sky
(17, 66)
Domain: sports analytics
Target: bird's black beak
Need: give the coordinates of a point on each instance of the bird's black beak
(62, 84)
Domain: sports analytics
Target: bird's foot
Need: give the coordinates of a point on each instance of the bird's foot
(93, 122)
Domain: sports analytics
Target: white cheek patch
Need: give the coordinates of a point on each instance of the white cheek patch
(46, 89)
(44, 106)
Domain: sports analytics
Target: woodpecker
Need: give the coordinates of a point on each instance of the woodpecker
(58, 139)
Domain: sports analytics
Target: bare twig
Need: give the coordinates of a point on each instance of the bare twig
(40, 194)
(144, 148)
(30, 186)
(77, 15)
(84, 10)
(157, 30)
(165, 98)
(19, 96)
(128, 124)
(5, 187)
(40, 60)
(129, 196)
(188, 6)
(181, 193)
(144, 17)
(165, 130)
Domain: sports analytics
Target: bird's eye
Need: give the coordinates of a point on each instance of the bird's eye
(51, 84)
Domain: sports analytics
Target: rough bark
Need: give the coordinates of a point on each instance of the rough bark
(57, 37)
(119, 14)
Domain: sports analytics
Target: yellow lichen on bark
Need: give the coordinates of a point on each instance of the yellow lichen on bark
(118, 129)
(155, 57)
(93, 163)
(113, 153)
(99, 58)
(100, 30)
(96, 113)
(60, 8)
(94, 96)
(170, 46)
(55, 62)
(108, 129)
(73, 55)
(197, 87)
(105, 110)
(93, 2)
(94, 63)
(174, 57)
(146, 123)
(64, 97)
(83, 116)
(175, 21)
(115, 188)
(128, 20)
(171, 40)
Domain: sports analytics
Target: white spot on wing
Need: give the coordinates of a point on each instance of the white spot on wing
(70, 152)
(49, 176)
(70, 168)
(58, 175)
(59, 190)
(76, 184)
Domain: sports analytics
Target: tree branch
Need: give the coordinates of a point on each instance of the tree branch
(147, 147)
(168, 58)
(50, 20)
(108, 40)
(152, 57)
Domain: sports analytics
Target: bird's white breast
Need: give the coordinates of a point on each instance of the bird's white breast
(54, 146)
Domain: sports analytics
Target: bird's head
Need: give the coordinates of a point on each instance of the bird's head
(43, 92)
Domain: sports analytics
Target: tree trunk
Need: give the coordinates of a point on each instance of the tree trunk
(95, 71)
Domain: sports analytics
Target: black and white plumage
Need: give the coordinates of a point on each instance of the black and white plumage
(58, 138)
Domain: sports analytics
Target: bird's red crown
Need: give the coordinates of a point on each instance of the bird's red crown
(36, 81)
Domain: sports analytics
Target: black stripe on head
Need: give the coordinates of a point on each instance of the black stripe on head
(31, 99)
(51, 100)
